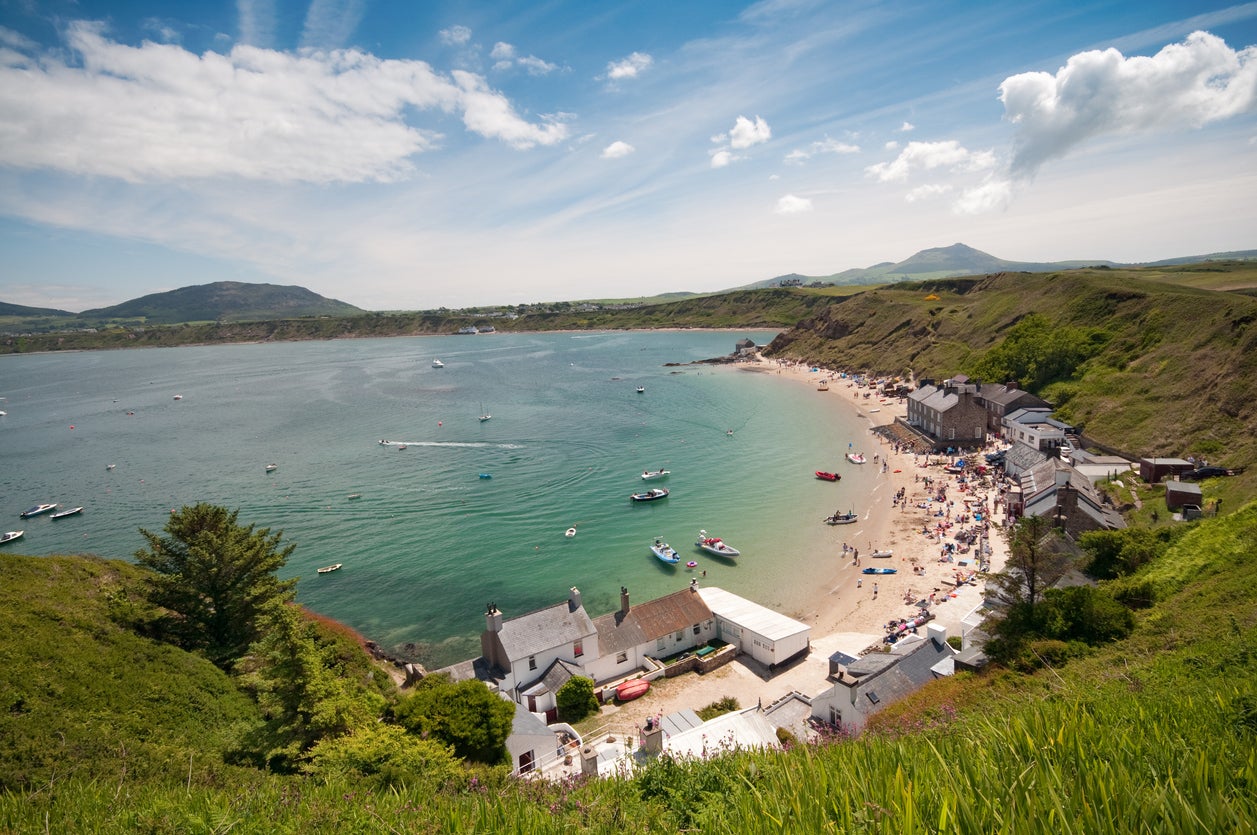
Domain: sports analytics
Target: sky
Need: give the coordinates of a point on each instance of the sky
(401, 155)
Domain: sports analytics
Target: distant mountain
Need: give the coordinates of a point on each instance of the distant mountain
(959, 259)
(22, 310)
(227, 301)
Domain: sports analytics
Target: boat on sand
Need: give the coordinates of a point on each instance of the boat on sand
(630, 690)
(841, 518)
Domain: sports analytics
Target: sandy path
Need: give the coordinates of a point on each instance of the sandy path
(850, 614)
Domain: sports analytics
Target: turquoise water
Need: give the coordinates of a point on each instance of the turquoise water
(429, 542)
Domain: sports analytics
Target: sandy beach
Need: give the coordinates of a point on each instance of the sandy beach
(915, 512)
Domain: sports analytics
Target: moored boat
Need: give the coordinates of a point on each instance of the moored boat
(61, 514)
(438, 364)
(856, 457)
(270, 468)
(36, 510)
(650, 495)
(716, 545)
(641, 389)
(648, 475)
(9, 536)
(328, 569)
(665, 552)
(827, 476)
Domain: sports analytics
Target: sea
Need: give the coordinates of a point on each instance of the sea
(469, 511)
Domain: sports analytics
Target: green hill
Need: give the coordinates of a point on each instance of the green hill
(1162, 368)
(107, 732)
(227, 301)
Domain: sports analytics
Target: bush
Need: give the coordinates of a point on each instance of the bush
(575, 699)
(727, 704)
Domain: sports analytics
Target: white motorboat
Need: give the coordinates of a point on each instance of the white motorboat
(665, 552)
(651, 495)
(648, 475)
(61, 514)
(716, 545)
(270, 468)
(10, 536)
(641, 389)
(438, 364)
(856, 457)
(36, 510)
(328, 569)
(841, 518)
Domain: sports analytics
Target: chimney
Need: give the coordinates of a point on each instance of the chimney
(624, 599)
(1011, 385)
(573, 599)
(493, 618)
(936, 632)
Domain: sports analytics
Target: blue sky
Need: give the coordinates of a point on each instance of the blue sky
(402, 155)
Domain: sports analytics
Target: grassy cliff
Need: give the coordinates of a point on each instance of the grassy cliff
(1155, 733)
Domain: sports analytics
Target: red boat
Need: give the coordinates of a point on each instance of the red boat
(821, 474)
(630, 690)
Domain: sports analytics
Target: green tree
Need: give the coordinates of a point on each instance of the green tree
(386, 756)
(1035, 563)
(1037, 351)
(303, 689)
(462, 714)
(575, 699)
(214, 577)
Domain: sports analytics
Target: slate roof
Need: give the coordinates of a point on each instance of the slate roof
(646, 622)
(1004, 395)
(555, 676)
(898, 673)
(544, 629)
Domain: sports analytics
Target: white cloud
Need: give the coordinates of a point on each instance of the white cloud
(721, 158)
(1185, 85)
(455, 36)
(792, 205)
(994, 194)
(824, 146)
(159, 112)
(506, 58)
(927, 156)
(630, 67)
(746, 133)
(926, 192)
(907, 127)
(617, 149)
(257, 21)
(489, 113)
(892, 145)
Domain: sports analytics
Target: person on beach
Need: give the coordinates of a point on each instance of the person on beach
(875, 589)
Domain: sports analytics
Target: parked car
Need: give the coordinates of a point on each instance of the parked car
(1204, 472)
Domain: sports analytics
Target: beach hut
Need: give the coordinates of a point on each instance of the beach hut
(769, 637)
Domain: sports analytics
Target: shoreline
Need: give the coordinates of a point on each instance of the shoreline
(846, 614)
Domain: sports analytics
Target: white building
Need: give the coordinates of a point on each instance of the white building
(769, 637)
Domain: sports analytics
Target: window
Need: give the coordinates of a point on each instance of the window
(532, 662)
(661, 644)
(680, 635)
(621, 658)
(578, 649)
(697, 629)
(873, 697)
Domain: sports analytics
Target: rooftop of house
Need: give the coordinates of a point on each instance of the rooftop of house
(545, 629)
(643, 622)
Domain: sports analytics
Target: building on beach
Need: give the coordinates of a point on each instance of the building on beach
(950, 415)
(769, 637)
(878, 679)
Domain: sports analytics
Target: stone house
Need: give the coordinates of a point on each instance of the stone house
(1054, 489)
(950, 415)
(1004, 399)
